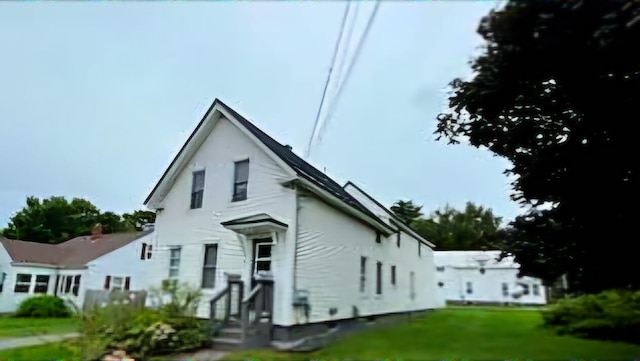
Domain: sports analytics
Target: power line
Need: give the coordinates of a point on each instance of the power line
(326, 84)
(345, 48)
(341, 86)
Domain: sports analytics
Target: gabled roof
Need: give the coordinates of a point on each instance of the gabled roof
(405, 227)
(301, 168)
(76, 252)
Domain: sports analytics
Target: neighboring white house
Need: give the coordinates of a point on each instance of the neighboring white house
(302, 251)
(68, 269)
(478, 277)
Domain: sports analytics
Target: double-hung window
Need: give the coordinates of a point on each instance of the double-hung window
(174, 262)
(240, 180)
(42, 284)
(379, 278)
(197, 189)
(209, 266)
(363, 273)
(23, 283)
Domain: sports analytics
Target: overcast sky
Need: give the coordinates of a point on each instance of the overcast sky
(97, 98)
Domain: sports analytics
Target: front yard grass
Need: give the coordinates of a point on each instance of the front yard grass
(461, 333)
(48, 352)
(11, 327)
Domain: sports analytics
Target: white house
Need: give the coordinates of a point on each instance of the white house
(478, 277)
(247, 220)
(68, 269)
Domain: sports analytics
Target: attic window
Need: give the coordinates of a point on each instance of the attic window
(398, 239)
(241, 180)
(197, 189)
(378, 237)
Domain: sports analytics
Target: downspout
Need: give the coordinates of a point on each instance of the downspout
(295, 241)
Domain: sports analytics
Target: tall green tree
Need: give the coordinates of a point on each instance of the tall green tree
(474, 228)
(138, 219)
(555, 91)
(55, 220)
(406, 211)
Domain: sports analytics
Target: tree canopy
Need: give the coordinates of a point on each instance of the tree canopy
(555, 91)
(406, 211)
(473, 228)
(55, 220)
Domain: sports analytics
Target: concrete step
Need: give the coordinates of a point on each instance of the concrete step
(230, 332)
(226, 344)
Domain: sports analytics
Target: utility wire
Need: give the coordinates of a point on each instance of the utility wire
(345, 48)
(333, 104)
(326, 84)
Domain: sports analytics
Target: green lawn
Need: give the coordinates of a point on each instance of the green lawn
(20, 327)
(54, 351)
(462, 333)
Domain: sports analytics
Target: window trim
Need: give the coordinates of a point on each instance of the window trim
(379, 278)
(22, 283)
(208, 267)
(363, 274)
(236, 196)
(393, 275)
(505, 289)
(195, 192)
(39, 284)
(172, 268)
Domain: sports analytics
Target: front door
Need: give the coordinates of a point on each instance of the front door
(261, 259)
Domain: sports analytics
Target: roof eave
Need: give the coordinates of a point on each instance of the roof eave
(378, 225)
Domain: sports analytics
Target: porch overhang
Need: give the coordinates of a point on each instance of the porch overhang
(258, 223)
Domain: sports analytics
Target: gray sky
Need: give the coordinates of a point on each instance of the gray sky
(97, 98)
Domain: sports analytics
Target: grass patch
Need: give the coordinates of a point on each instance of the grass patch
(52, 351)
(11, 327)
(469, 333)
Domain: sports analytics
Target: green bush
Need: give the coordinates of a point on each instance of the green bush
(145, 332)
(612, 315)
(42, 307)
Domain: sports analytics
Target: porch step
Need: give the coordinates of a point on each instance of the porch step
(231, 332)
(227, 344)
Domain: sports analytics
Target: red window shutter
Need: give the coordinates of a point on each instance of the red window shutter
(144, 250)
(107, 282)
(149, 249)
(127, 282)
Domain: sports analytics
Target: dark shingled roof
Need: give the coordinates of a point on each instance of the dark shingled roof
(74, 253)
(301, 167)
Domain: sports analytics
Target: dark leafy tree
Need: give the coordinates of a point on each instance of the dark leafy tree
(474, 228)
(406, 211)
(139, 218)
(555, 91)
(55, 220)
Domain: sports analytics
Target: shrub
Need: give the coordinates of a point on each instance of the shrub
(612, 315)
(145, 332)
(43, 306)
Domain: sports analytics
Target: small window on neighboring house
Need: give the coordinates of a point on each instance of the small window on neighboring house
(379, 278)
(241, 180)
(42, 284)
(197, 189)
(419, 249)
(469, 288)
(398, 239)
(378, 237)
(76, 285)
(3, 277)
(174, 262)
(393, 275)
(505, 289)
(143, 251)
(209, 266)
(117, 283)
(23, 283)
(536, 290)
(440, 268)
(363, 270)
